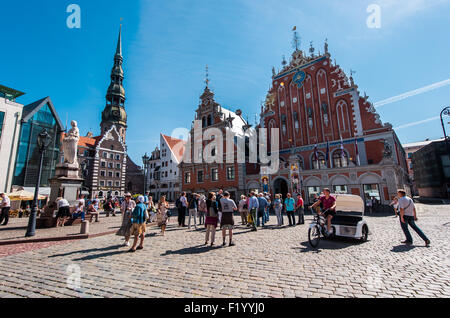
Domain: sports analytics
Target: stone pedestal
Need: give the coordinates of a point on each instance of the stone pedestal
(66, 184)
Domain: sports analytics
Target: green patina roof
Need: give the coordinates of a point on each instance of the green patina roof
(10, 91)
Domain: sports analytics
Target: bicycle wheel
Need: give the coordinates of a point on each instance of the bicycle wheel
(314, 236)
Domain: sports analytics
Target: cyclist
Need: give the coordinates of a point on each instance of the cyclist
(329, 206)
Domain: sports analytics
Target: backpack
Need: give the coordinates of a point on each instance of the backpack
(178, 204)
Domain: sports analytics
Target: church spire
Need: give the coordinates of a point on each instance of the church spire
(114, 113)
(119, 43)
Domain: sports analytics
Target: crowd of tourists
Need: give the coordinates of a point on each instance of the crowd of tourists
(217, 209)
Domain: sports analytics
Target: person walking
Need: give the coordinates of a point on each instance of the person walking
(126, 209)
(63, 214)
(263, 205)
(183, 205)
(394, 205)
(253, 206)
(408, 217)
(161, 217)
(243, 209)
(290, 204)
(202, 209)
(300, 207)
(211, 218)
(193, 209)
(278, 207)
(227, 221)
(5, 208)
(138, 228)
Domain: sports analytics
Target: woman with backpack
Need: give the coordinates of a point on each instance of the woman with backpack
(211, 218)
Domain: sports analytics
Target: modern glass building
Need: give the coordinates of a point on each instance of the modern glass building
(36, 117)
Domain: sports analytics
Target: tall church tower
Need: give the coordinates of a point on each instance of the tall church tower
(114, 112)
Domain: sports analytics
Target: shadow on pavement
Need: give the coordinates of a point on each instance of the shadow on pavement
(336, 243)
(6, 228)
(191, 250)
(91, 257)
(402, 248)
(93, 250)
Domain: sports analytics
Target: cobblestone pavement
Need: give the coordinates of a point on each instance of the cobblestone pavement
(268, 263)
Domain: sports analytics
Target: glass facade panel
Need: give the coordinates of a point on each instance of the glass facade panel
(27, 162)
(2, 119)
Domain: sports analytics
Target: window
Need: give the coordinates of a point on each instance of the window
(340, 159)
(111, 156)
(118, 166)
(187, 177)
(110, 165)
(103, 173)
(230, 173)
(117, 184)
(215, 174)
(117, 174)
(105, 155)
(102, 183)
(110, 183)
(371, 191)
(200, 176)
(110, 174)
(103, 164)
(210, 122)
(312, 192)
(321, 163)
(117, 157)
(342, 189)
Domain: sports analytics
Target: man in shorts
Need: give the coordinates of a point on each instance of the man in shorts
(227, 222)
(329, 206)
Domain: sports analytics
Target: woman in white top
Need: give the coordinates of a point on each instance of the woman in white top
(161, 216)
(243, 209)
(63, 212)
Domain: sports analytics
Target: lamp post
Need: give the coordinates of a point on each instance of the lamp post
(145, 160)
(446, 112)
(43, 141)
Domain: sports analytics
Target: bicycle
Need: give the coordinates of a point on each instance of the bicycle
(317, 229)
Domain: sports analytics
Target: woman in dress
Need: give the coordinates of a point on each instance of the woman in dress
(211, 218)
(161, 217)
(127, 208)
(152, 210)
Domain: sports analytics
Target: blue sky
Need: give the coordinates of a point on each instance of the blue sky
(168, 43)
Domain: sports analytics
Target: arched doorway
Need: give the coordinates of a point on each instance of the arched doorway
(280, 186)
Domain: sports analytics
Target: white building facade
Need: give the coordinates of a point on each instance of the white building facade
(164, 176)
(10, 116)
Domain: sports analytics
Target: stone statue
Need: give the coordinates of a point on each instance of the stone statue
(387, 152)
(70, 144)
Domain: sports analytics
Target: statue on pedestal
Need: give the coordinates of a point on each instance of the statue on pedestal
(70, 144)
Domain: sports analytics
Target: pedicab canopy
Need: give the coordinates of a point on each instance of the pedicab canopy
(349, 204)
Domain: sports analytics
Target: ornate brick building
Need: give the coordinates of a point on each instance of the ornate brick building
(204, 177)
(330, 135)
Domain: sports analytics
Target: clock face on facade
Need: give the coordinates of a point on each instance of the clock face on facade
(299, 78)
(116, 113)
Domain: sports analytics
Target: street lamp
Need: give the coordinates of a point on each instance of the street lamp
(43, 141)
(145, 160)
(446, 112)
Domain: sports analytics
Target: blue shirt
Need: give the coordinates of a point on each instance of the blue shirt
(289, 204)
(253, 203)
(262, 203)
(138, 215)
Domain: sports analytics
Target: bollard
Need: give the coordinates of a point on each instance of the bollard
(84, 227)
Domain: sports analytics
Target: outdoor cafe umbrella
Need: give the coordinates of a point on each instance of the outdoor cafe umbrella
(23, 195)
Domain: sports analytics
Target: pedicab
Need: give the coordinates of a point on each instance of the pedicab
(348, 222)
